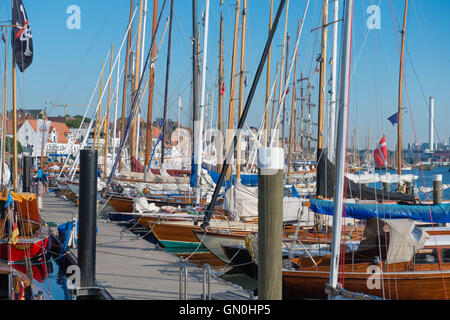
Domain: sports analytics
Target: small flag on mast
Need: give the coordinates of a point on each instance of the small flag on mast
(394, 118)
(380, 153)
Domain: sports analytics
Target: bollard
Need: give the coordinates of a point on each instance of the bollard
(87, 217)
(27, 163)
(270, 222)
(437, 189)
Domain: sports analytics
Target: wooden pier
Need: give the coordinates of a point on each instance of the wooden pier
(131, 268)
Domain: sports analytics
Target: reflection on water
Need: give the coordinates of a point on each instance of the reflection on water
(49, 271)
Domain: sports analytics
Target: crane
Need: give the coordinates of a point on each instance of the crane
(64, 105)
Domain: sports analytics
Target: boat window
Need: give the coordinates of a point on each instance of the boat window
(416, 233)
(426, 256)
(445, 255)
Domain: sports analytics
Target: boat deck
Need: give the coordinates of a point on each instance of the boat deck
(131, 268)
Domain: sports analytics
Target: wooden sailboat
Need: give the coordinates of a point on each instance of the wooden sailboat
(33, 236)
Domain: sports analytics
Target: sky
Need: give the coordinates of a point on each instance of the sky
(67, 62)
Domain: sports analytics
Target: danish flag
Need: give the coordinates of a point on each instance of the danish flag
(380, 153)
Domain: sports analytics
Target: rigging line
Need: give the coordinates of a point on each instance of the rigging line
(84, 58)
(421, 89)
(423, 176)
(136, 97)
(286, 86)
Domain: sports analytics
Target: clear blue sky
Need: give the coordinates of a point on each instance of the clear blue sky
(67, 62)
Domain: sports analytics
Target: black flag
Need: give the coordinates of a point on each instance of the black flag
(21, 40)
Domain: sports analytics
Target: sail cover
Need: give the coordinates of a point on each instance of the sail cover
(325, 184)
(21, 40)
(425, 213)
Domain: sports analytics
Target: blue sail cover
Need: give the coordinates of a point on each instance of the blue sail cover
(425, 213)
(246, 179)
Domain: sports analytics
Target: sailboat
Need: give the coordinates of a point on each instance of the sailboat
(23, 234)
(396, 259)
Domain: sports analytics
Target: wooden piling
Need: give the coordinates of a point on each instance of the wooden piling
(270, 222)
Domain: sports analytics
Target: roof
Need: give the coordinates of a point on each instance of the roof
(61, 128)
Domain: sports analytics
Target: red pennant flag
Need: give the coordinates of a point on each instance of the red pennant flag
(223, 89)
(287, 90)
(380, 153)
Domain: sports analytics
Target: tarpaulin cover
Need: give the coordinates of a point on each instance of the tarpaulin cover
(425, 213)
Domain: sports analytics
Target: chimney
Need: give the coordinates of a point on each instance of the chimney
(431, 124)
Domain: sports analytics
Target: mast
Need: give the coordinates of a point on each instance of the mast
(273, 99)
(195, 113)
(266, 115)
(291, 140)
(166, 91)
(43, 141)
(99, 114)
(283, 127)
(344, 99)
(321, 109)
(202, 101)
(5, 91)
(106, 125)
(14, 107)
(232, 85)
(281, 84)
(331, 133)
(148, 139)
(124, 93)
(400, 89)
(241, 89)
(136, 80)
(210, 209)
(220, 115)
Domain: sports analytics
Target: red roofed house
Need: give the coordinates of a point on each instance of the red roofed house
(57, 137)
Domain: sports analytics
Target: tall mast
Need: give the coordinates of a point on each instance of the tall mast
(14, 107)
(5, 91)
(241, 89)
(400, 89)
(286, 61)
(199, 126)
(232, 85)
(125, 82)
(166, 91)
(341, 143)
(331, 132)
(220, 115)
(148, 139)
(321, 109)
(99, 114)
(136, 80)
(291, 140)
(281, 84)
(273, 99)
(106, 124)
(266, 115)
(195, 113)
(43, 141)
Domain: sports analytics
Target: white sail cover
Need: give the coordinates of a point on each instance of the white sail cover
(141, 205)
(405, 237)
(242, 202)
(6, 174)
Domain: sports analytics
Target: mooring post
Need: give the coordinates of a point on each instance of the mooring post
(27, 163)
(87, 217)
(437, 189)
(270, 222)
